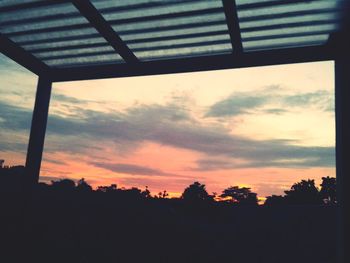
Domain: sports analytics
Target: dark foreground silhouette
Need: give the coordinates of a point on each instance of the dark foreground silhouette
(69, 222)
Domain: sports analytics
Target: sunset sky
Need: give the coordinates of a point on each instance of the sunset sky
(263, 127)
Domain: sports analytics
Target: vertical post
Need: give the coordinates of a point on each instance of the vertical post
(38, 129)
(342, 109)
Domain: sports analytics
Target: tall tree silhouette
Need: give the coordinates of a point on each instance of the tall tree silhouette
(196, 192)
(240, 195)
(303, 193)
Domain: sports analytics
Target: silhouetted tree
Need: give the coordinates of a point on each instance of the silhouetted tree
(83, 186)
(163, 194)
(240, 195)
(196, 192)
(274, 200)
(303, 193)
(146, 193)
(328, 190)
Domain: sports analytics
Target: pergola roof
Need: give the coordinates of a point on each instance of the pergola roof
(83, 39)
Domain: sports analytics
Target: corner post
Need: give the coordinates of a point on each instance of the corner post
(342, 110)
(38, 129)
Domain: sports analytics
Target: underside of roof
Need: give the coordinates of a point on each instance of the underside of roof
(83, 39)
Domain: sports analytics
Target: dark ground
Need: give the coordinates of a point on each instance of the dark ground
(59, 226)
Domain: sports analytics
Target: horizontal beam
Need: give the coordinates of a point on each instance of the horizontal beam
(215, 62)
(21, 56)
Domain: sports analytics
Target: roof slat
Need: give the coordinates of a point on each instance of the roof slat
(28, 5)
(273, 3)
(289, 14)
(278, 36)
(61, 48)
(289, 25)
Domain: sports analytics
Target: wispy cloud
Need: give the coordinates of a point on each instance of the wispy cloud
(131, 169)
(321, 98)
(236, 104)
(270, 102)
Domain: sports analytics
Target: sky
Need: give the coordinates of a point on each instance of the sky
(261, 127)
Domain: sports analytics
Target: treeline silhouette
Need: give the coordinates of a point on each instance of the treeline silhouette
(304, 192)
(67, 221)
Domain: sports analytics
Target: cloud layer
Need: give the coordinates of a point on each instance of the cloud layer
(173, 126)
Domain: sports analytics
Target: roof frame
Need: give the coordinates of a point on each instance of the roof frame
(22, 57)
(134, 67)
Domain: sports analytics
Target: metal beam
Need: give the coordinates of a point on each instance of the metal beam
(38, 129)
(233, 25)
(194, 64)
(96, 20)
(22, 57)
